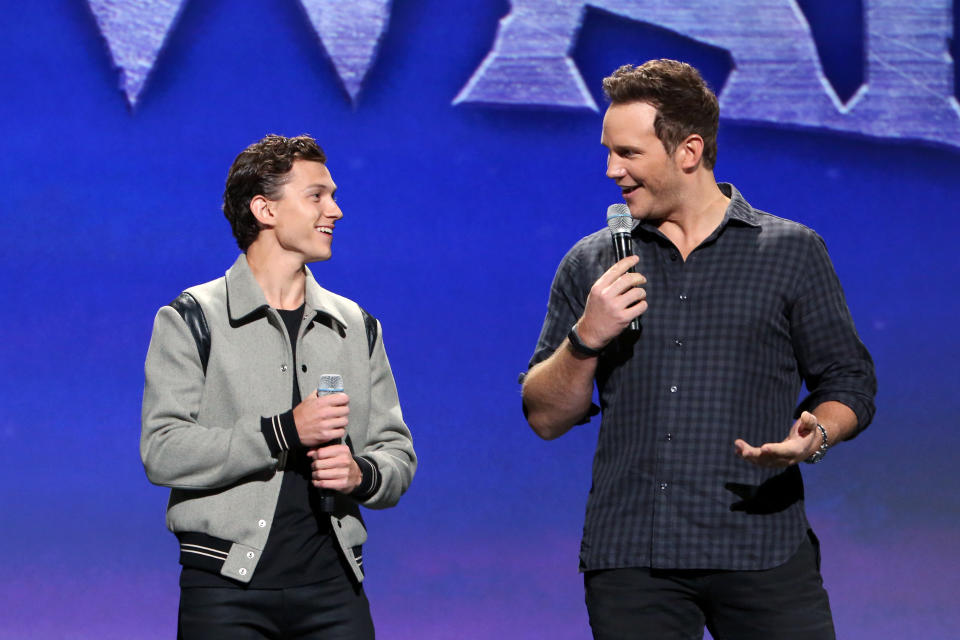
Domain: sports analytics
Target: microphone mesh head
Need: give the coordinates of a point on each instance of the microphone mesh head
(329, 383)
(619, 219)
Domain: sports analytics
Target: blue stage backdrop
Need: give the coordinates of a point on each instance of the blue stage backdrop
(464, 137)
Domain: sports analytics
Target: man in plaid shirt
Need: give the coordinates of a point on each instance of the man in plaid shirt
(696, 515)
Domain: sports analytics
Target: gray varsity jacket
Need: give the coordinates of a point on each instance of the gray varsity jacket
(202, 416)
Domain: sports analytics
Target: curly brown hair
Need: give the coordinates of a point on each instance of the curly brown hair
(684, 103)
(262, 169)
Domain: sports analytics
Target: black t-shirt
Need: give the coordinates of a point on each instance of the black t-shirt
(300, 549)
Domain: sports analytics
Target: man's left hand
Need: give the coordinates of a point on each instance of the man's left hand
(803, 440)
(333, 467)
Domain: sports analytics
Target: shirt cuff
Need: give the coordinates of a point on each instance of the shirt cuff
(280, 432)
(370, 483)
(861, 404)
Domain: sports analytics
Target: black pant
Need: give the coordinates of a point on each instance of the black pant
(332, 610)
(785, 602)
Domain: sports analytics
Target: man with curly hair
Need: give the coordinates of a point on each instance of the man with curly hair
(266, 473)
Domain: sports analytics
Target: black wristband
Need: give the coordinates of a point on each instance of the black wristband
(578, 345)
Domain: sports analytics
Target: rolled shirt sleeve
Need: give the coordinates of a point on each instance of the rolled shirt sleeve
(832, 360)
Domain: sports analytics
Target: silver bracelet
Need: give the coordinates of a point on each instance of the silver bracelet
(818, 455)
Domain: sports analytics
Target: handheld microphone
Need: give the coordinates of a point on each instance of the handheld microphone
(621, 224)
(329, 383)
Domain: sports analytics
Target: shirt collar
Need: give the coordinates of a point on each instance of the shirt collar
(738, 209)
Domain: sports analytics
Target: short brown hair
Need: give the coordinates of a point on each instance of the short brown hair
(262, 169)
(684, 103)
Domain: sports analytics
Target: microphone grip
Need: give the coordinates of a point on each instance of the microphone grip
(329, 383)
(328, 497)
(328, 501)
(623, 246)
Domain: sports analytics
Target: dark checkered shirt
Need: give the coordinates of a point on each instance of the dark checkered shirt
(729, 336)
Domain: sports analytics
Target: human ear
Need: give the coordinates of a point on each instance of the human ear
(262, 210)
(690, 151)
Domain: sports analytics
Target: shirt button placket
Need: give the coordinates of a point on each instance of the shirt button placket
(662, 486)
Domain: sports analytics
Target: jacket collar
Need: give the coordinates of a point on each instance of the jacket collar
(245, 297)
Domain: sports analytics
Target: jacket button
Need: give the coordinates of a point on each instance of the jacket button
(250, 555)
(242, 571)
(262, 524)
(283, 368)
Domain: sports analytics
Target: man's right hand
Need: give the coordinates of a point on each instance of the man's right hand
(321, 419)
(608, 310)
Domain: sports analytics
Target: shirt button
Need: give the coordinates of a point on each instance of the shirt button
(663, 486)
(262, 523)
(678, 342)
(242, 571)
(283, 368)
(674, 256)
(673, 388)
(250, 555)
(683, 296)
(669, 437)
(303, 367)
